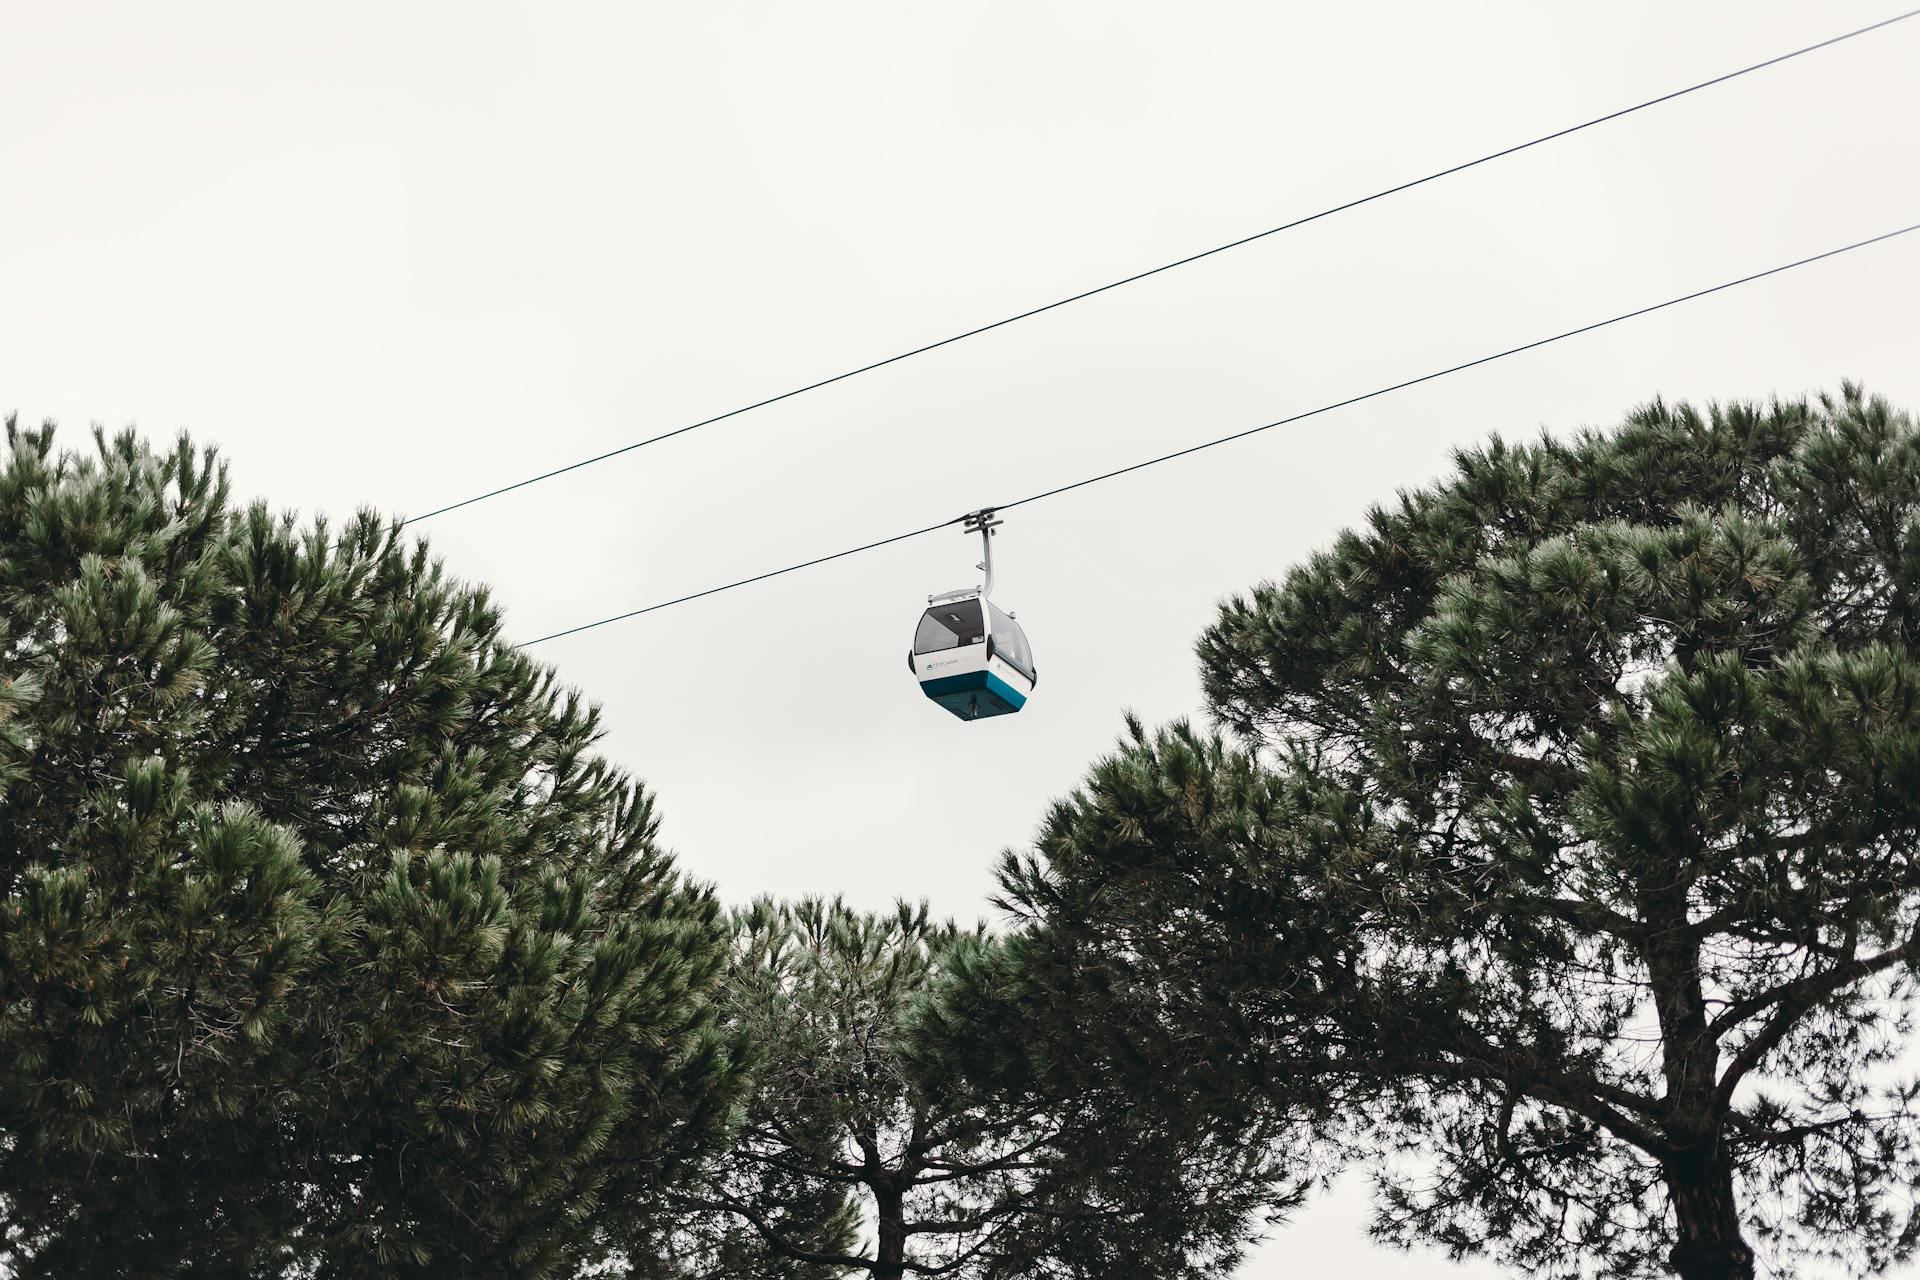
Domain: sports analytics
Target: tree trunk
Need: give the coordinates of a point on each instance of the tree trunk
(1708, 1244)
(1699, 1176)
(890, 1256)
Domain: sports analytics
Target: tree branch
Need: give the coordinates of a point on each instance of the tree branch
(777, 1242)
(1792, 1001)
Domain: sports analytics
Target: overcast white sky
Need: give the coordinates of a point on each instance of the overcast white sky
(393, 255)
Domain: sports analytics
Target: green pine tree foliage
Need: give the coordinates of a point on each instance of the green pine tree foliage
(863, 1152)
(1167, 1165)
(328, 946)
(1566, 837)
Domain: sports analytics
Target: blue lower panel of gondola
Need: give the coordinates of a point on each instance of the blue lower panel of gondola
(975, 695)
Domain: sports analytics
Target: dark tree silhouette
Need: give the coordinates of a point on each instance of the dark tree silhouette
(1568, 825)
(867, 1149)
(327, 945)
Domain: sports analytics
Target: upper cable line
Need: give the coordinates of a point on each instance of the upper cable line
(1137, 276)
(1098, 477)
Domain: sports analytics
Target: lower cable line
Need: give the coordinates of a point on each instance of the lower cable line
(1457, 368)
(743, 582)
(1250, 431)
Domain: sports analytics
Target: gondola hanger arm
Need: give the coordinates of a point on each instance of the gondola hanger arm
(984, 523)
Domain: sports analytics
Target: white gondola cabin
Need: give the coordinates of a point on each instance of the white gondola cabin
(969, 655)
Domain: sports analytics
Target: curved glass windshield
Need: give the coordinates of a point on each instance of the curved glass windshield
(1010, 642)
(948, 626)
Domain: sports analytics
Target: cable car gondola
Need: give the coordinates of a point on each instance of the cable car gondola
(970, 656)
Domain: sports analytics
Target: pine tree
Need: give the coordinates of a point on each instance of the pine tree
(327, 944)
(1566, 834)
(864, 1150)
